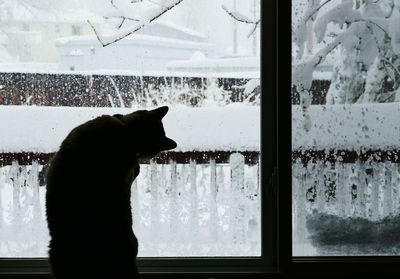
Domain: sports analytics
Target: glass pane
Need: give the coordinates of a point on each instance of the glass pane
(345, 125)
(65, 62)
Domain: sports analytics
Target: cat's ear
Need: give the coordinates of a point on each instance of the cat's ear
(160, 112)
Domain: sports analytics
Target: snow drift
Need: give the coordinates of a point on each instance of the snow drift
(41, 129)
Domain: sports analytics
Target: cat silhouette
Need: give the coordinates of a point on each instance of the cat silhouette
(88, 194)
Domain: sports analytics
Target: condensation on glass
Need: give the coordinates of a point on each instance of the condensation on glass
(201, 58)
(346, 128)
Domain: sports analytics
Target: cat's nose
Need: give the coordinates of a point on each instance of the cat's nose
(169, 144)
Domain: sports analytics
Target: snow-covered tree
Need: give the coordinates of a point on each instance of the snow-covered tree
(252, 89)
(366, 42)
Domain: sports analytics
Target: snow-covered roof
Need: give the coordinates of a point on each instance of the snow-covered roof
(41, 129)
(179, 28)
(202, 64)
(134, 39)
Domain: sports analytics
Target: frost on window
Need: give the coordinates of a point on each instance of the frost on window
(65, 62)
(346, 128)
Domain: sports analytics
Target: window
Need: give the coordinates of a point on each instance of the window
(206, 198)
(343, 157)
(76, 30)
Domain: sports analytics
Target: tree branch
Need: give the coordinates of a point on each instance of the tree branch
(133, 29)
(239, 17)
(368, 21)
(316, 10)
(253, 29)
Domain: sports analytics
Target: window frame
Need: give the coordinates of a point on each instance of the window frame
(216, 267)
(335, 266)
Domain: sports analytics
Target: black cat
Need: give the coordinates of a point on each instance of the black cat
(88, 194)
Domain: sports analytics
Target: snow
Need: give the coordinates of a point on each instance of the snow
(202, 64)
(135, 38)
(142, 13)
(356, 126)
(394, 30)
(76, 52)
(180, 28)
(41, 129)
(51, 12)
(140, 52)
(320, 75)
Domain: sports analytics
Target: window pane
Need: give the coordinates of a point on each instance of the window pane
(345, 163)
(201, 58)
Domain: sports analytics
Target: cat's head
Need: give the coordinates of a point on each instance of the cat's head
(146, 131)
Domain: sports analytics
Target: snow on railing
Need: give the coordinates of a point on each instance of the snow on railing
(183, 203)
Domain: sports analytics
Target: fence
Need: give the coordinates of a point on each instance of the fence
(352, 186)
(80, 90)
(184, 204)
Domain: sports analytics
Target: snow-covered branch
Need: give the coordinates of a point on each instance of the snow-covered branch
(302, 73)
(242, 18)
(127, 17)
(366, 64)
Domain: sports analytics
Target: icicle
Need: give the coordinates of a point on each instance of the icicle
(194, 215)
(173, 211)
(395, 182)
(16, 185)
(213, 201)
(135, 206)
(254, 221)
(343, 189)
(297, 205)
(34, 184)
(376, 190)
(362, 190)
(373, 193)
(330, 191)
(355, 186)
(1, 203)
(320, 184)
(155, 210)
(387, 199)
(238, 205)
